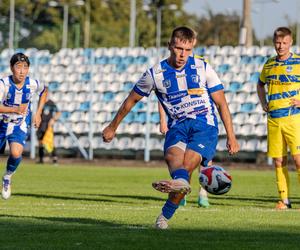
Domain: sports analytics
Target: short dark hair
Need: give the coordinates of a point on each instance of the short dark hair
(19, 57)
(183, 33)
(282, 32)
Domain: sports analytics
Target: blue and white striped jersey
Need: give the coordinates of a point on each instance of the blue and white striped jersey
(184, 93)
(11, 96)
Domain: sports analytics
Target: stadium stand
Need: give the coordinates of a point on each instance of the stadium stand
(99, 79)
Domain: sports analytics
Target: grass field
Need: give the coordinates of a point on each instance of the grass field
(81, 207)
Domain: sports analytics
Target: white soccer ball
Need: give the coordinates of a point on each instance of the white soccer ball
(215, 180)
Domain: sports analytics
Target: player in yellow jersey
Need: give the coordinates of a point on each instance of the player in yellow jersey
(281, 75)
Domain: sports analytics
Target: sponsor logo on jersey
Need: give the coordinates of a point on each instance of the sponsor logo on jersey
(180, 76)
(176, 96)
(197, 91)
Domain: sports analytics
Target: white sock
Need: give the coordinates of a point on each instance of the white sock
(8, 175)
(202, 193)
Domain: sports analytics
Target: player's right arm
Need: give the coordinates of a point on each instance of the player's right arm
(261, 91)
(109, 132)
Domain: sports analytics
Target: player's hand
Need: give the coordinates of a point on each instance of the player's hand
(232, 145)
(37, 120)
(108, 134)
(295, 102)
(265, 107)
(163, 128)
(22, 109)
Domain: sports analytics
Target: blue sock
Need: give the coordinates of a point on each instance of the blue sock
(181, 173)
(12, 164)
(169, 209)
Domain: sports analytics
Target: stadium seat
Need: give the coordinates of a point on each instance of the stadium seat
(138, 143)
(247, 107)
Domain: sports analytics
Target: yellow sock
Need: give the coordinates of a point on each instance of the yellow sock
(298, 173)
(283, 182)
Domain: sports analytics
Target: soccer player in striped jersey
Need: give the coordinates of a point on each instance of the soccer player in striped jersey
(186, 87)
(281, 75)
(16, 93)
(202, 195)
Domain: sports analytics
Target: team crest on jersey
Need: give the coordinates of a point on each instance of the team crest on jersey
(167, 83)
(289, 68)
(195, 78)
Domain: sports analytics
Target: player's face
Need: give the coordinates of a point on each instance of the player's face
(20, 71)
(282, 46)
(179, 52)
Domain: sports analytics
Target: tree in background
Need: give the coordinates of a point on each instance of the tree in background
(39, 25)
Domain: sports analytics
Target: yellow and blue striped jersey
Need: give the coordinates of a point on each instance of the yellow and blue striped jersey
(283, 82)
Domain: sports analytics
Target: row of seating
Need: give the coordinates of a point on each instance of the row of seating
(138, 143)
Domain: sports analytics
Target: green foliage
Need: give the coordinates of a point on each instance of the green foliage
(39, 25)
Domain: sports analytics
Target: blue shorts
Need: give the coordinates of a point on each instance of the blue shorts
(195, 135)
(13, 133)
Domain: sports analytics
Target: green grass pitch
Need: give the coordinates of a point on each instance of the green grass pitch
(88, 207)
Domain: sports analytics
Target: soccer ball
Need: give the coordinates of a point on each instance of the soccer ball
(215, 180)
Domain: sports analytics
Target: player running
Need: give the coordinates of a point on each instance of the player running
(16, 92)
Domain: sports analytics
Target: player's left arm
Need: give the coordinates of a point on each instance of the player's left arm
(37, 118)
(222, 106)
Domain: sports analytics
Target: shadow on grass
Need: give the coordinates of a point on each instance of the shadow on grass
(114, 198)
(26, 232)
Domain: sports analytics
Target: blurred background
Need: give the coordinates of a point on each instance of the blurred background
(90, 53)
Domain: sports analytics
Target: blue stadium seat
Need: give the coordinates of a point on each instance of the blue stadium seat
(64, 115)
(53, 86)
(246, 59)
(234, 86)
(85, 106)
(140, 117)
(129, 118)
(108, 96)
(247, 107)
(141, 60)
(223, 68)
(254, 77)
(155, 117)
(127, 86)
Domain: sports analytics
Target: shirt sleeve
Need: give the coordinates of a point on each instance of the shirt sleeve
(2, 91)
(145, 84)
(40, 87)
(213, 81)
(262, 77)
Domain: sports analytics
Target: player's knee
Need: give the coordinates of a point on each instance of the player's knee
(16, 153)
(171, 159)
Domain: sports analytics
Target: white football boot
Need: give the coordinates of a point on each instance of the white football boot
(172, 186)
(161, 222)
(6, 188)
